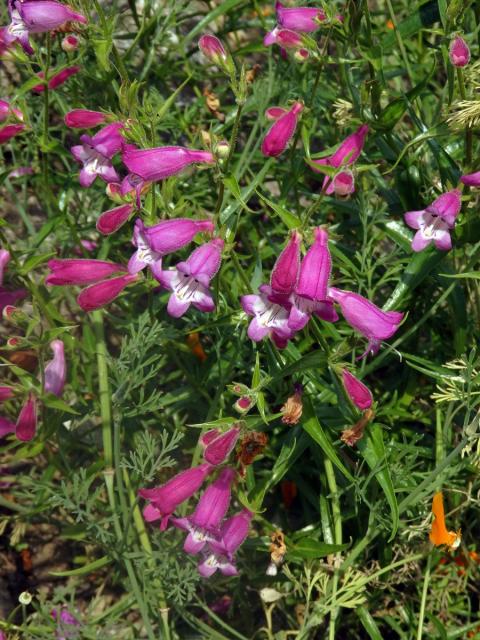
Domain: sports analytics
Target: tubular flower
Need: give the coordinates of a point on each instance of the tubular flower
(434, 222)
(304, 19)
(310, 293)
(6, 427)
(270, 313)
(204, 524)
(189, 280)
(366, 318)
(6, 111)
(439, 535)
(85, 271)
(110, 221)
(6, 393)
(459, 53)
(280, 133)
(213, 49)
(222, 550)
(4, 260)
(95, 153)
(37, 16)
(83, 118)
(7, 297)
(162, 162)
(471, 179)
(57, 79)
(285, 271)
(163, 238)
(217, 446)
(359, 394)
(163, 500)
(55, 372)
(27, 420)
(9, 131)
(347, 154)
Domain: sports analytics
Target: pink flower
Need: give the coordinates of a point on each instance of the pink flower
(110, 221)
(217, 446)
(359, 394)
(303, 19)
(4, 260)
(213, 49)
(7, 111)
(37, 16)
(280, 133)
(6, 427)
(9, 131)
(98, 295)
(310, 294)
(55, 372)
(189, 280)
(270, 313)
(434, 222)
(459, 53)
(471, 179)
(70, 43)
(167, 497)
(83, 119)
(161, 162)
(80, 271)
(204, 523)
(95, 153)
(285, 270)
(347, 154)
(366, 318)
(6, 393)
(221, 551)
(27, 420)
(57, 79)
(7, 297)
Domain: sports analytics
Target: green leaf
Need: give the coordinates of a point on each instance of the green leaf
(34, 261)
(232, 185)
(312, 426)
(372, 449)
(311, 549)
(290, 220)
(87, 568)
(475, 275)
(52, 402)
(369, 623)
(425, 17)
(103, 49)
(245, 193)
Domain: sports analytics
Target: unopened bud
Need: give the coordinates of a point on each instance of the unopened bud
(222, 149)
(301, 55)
(25, 598)
(459, 52)
(70, 43)
(213, 49)
(244, 404)
(13, 315)
(113, 191)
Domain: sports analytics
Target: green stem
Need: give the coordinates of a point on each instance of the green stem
(104, 388)
(233, 144)
(468, 131)
(337, 528)
(399, 39)
(426, 581)
(46, 106)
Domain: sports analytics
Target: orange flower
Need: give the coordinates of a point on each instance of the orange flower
(193, 342)
(439, 534)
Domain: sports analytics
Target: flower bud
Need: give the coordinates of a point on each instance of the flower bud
(213, 49)
(222, 149)
(459, 52)
(25, 598)
(70, 43)
(244, 404)
(301, 55)
(14, 315)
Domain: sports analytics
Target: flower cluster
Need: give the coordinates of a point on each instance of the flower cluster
(209, 532)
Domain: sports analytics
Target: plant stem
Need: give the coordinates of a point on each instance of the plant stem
(337, 528)
(426, 581)
(233, 144)
(468, 131)
(103, 388)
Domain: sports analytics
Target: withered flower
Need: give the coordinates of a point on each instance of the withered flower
(354, 434)
(293, 407)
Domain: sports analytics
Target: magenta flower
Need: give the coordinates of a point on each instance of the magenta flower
(222, 550)
(471, 179)
(19, 172)
(213, 49)
(270, 316)
(161, 162)
(6, 111)
(27, 420)
(359, 394)
(280, 133)
(217, 446)
(37, 16)
(7, 297)
(6, 393)
(6, 427)
(304, 19)
(4, 260)
(98, 295)
(366, 318)
(204, 523)
(83, 118)
(189, 280)
(285, 270)
(55, 372)
(163, 500)
(96, 153)
(288, 39)
(310, 294)
(80, 271)
(9, 131)
(434, 222)
(459, 53)
(65, 621)
(110, 221)
(347, 154)
(57, 79)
